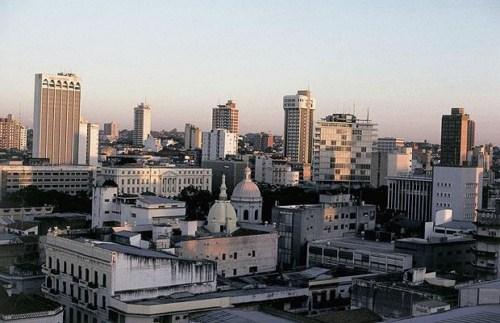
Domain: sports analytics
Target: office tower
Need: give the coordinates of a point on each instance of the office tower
(142, 124)
(88, 143)
(219, 143)
(57, 117)
(299, 123)
(389, 144)
(226, 116)
(192, 137)
(12, 134)
(457, 137)
(390, 163)
(342, 150)
(111, 131)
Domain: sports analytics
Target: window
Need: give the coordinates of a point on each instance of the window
(234, 272)
(252, 269)
(235, 255)
(103, 301)
(80, 272)
(104, 280)
(253, 253)
(245, 215)
(223, 256)
(256, 214)
(72, 269)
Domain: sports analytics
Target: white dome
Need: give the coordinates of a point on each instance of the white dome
(246, 189)
(222, 215)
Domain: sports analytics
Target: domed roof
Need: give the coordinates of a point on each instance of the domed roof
(246, 189)
(222, 215)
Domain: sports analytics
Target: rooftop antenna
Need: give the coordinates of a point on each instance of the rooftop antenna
(368, 114)
(353, 108)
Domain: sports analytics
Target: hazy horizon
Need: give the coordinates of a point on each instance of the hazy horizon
(408, 63)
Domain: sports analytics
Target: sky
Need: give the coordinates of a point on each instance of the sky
(406, 62)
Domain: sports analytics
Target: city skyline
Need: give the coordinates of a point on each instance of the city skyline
(394, 59)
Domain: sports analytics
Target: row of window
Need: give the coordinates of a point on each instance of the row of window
(79, 274)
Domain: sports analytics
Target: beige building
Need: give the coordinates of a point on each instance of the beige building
(390, 163)
(226, 116)
(57, 117)
(192, 137)
(342, 150)
(142, 124)
(299, 124)
(111, 131)
(12, 134)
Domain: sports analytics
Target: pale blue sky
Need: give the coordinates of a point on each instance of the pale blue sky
(408, 62)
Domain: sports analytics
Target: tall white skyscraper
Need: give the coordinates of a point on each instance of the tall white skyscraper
(299, 123)
(142, 124)
(88, 143)
(56, 119)
(219, 143)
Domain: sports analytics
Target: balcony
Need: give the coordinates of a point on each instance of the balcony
(54, 291)
(45, 289)
(45, 270)
(92, 307)
(55, 272)
(83, 283)
(75, 279)
(485, 238)
(93, 285)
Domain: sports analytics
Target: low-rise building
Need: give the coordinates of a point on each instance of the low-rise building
(411, 195)
(233, 170)
(275, 171)
(487, 247)
(389, 163)
(357, 253)
(159, 180)
(29, 309)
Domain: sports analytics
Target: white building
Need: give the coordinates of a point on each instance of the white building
(152, 144)
(99, 281)
(389, 144)
(111, 209)
(411, 195)
(275, 171)
(219, 143)
(342, 150)
(390, 163)
(69, 179)
(192, 137)
(163, 181)
(237, 251)
(247, 200)
(458, 189)
(88, 143)
(142, 124)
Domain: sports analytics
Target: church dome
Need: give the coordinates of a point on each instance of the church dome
(222, 215)
(246, 189)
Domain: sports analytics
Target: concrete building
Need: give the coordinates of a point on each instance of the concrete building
(101, 281)
(459, 189)
(354, 252)
(29, 309)
(152, 144)
(342, 150)
(388, 144)
(88, 143)
(275, 171)
(142, 124)
(12, 134)
(233, 170)
(457, 137)
(390, 163)
(192, 137)
(442, 254)
(69, 179)
(219, 143)
(160, 180)
(298, 127)
(411, 195)
(226, 116)
(111, 131)
(480, 293)
(247, 200)
(299, 224)
(57, 117)
(487, 248)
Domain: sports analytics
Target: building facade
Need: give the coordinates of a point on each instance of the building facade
(219, 143)
(390, 163)
(247, 200)
(142, 124)
(457, 137)
(163, 181)
(342, 150)
(192, 137)
(12, 134)
(298, 128)
(411, 195)
(111, 131)
(226, 116)
(275, 171)
(56, 120)
(88, 143)
(458, 189)
(487, 248)
(389, 144)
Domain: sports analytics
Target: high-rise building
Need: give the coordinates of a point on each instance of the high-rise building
(457, 137)
(389, 144)
(12, 134)
(219, 143)
(299, 124)
(88, 143)
(111, 131)
(142, 124)
(226, 116)
(390, 163)
(192, 137)
(342, 150)
(57, 117)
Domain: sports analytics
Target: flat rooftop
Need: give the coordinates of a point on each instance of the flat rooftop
(358, 244)
(133, 251)
(474, 314)
(151, 199)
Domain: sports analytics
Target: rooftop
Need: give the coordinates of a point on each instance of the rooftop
(437, 240)
(357, 243)
(126, 234)
(473, 314)
(152, 199)
(25, 225)
(23, 304)
(133, 251)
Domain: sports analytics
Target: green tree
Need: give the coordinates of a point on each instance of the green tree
(198, 202)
